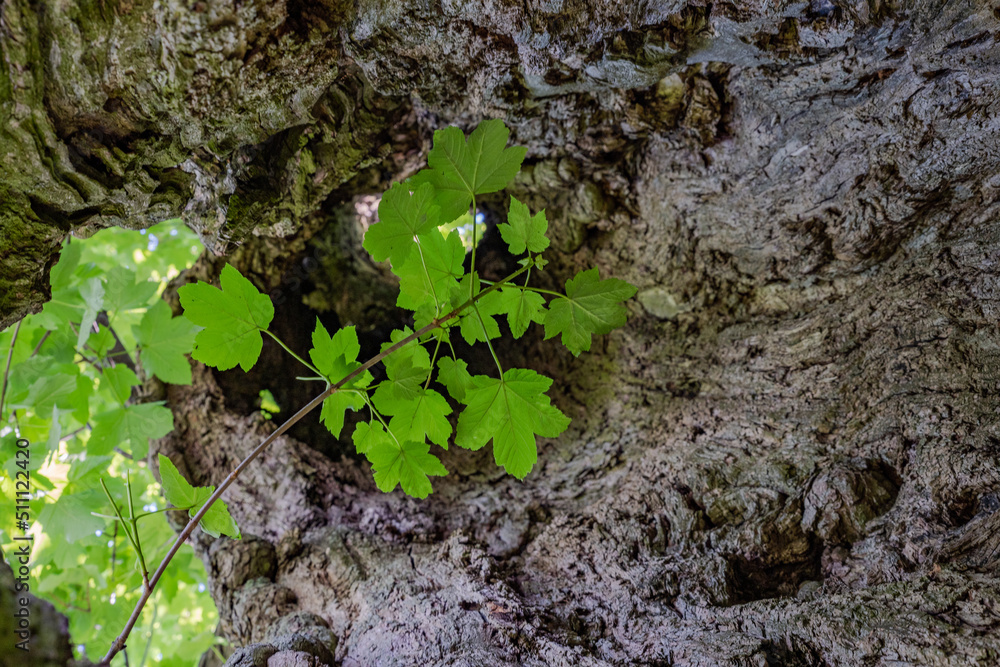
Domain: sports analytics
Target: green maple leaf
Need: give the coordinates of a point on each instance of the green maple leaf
(454, 375)
(101, 341)
(336, 357)
(368, 435)
(217, 520)
(180, 493)
(511, 411)
(522, 307)
(403, 384)
(482, 326)
(406, 370)
(66, 304)
(134, 423)
(401, 217)
(430, 275)
(119, 379)
(461, 169)
(70, 517)
(591, 306)
(407, 465)
(177, 490)
(55, 389)
(122, 292)
(425, 416)
(92, 292)
(233, 318)
(89, 469)
(164, 341)
(59, 344)
(522, 231)
(69, 259)
(473, 328)
(335, 407)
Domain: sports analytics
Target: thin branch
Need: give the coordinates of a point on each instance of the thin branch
(119, 349)
(430, 373)
(6, 370)
(119, 643)
(144, 514)
(51, 595)
(38, 347)
(135, 528)
(76, 432)
(114, 551)
(118, 513)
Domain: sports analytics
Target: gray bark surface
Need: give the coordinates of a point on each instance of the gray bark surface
(47, 643)
(790, 454)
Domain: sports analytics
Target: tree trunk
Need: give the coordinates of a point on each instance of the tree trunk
(790, 454)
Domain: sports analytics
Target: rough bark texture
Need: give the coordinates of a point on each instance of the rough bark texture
(789, 456)
(46, 642)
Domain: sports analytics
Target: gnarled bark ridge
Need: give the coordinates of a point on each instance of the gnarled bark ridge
(788, 457)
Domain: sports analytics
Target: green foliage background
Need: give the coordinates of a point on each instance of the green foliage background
(67, 393)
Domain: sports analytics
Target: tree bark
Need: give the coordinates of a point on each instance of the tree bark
(790, 454)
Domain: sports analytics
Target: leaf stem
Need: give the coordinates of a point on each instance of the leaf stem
(486, 336)
(6, 370)
(119, 643)
(430, 373)
(289, 351)
(472, 265)
(533, 289)
(427, 274)
(143, 515)
(118, 513)
(135, 528)
(371, 406)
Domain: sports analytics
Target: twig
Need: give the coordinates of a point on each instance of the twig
(119, 349)
(135, 528)
(45, 337)
(76, 432)
(6, 370)
(114, 551)
(119, 643)
(51, 595)
(133, 539)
